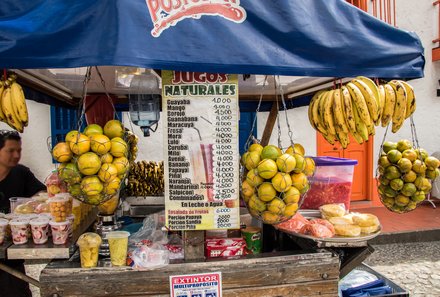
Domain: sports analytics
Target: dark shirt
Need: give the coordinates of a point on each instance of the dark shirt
(20, 182)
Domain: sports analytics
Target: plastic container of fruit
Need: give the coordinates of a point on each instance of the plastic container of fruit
(332, 182)
(54, 184)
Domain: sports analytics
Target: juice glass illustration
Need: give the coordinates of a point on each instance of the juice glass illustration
(202, 168)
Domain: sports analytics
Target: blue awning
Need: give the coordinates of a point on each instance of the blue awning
(328, 38)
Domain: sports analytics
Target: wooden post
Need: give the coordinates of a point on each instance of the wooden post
(194, 245)
(269, 124)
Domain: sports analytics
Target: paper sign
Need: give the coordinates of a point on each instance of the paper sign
(201, 153)
(196, 285)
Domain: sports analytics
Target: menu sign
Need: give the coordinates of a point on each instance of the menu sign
(200, 113)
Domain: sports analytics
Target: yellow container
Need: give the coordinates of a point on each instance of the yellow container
(88, 249)
(118, 243)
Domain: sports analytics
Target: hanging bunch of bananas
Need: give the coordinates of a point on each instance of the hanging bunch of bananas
(13, 109)
(145, 179)
(357, 107)
(132, 140)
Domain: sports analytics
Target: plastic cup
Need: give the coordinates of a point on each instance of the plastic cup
(3, 229)
(19, 230)
(71, 220)
(60, 208)
(60, 231)
(88, 249)
(40, 230)
(118, 243)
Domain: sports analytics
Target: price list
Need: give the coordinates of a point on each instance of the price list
(202, 159)
(225, 149)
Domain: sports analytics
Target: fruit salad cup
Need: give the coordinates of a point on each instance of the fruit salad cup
(40, 230)
(118, 243)
(60, 231)
(19, 231)
(88, 249)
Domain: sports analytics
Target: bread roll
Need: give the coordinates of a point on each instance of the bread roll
(332, 210)
(347, 230)
(365, 220)
(345, 220)
(370, 229)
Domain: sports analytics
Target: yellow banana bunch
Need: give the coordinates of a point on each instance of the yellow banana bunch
(13, 109)
(9, 111)
(358, 107)
(399, 103)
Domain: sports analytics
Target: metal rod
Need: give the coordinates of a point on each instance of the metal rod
(20, 275)
(394, 12)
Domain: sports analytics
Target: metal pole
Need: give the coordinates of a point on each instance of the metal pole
(19, 275)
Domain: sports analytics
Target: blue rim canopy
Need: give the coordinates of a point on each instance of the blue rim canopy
(319, 38)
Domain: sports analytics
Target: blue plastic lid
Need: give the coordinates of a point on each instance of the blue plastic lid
(332, 161)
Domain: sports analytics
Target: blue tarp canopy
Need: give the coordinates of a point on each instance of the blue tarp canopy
(328, 38)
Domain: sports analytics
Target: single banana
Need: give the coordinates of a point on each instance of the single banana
(390, 102)
(328, 112)
(330, 138)
(374, 89)
(2, 115)
(19, 103)
(410, 99)
(357, 137)
(347, 108)
(310, 110)
(321, 110)
(361, 105)
(361, 128)
(338, 113)
(369, 97)
(342, 137)
(381, 104)
(316, 114)
(8, 110)
(400, 108)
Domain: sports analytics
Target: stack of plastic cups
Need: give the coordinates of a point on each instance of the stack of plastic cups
(3, 230)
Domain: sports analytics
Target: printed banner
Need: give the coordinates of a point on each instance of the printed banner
(201, 152)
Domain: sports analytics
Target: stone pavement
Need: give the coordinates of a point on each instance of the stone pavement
(413, 266)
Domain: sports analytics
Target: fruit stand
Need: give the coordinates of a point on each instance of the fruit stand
(304, 271)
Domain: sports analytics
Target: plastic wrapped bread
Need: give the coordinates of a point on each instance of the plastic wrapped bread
(332, 210)
(347, 230)
(345, 220)
(365, 220)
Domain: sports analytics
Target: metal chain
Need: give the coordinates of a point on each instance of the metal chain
(381, 148)
(107, 94)
(251, 136)
(81, 107)
(289, 130)
(415, 139)
(278, 113)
